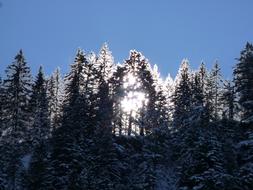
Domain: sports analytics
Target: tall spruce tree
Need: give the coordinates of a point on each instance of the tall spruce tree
(130, 87)
(118, 93)
(103, 151)
(168, 91)
(74, 143)
(104, 71)
(140, 79)
(39, 133)
(3, 177)
(55, 94)
(213, 93)
(243, 77)
(18, 89)
(67, 138)
(182, 96)
(39, 110)
(161, 103)
(198, 94)
(151, 110)
(2, 103)
(105, 62)
(228, 100)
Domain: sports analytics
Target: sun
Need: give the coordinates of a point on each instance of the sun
(134, 99)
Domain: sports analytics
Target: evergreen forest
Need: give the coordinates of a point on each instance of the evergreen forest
(108, 126)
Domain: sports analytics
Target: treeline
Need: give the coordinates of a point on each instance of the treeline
(120, 126)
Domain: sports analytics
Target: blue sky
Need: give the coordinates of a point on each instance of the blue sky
(165, 31)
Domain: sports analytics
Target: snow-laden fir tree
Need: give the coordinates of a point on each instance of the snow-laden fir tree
(3, 180)
(55, 94)
(182, 95)
(67, 138)
(198, 80)
(243, 78)
(150, 117)
(168, 91)
(161, 103)
(104, 174)
(105, 62)
(117, 82)
(132, 85)
(39, 134)
(18, 88)
(40, 123)
(140, 81)
(74, 145)
(213, 90)
(104, 71)
(2, 102)
(228, 100)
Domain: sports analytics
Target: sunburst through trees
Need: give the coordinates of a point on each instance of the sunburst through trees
(133, 103)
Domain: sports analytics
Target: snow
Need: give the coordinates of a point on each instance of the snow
(248, 120)
(26, 160)
(246, 143)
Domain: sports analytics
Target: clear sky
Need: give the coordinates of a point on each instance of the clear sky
(165, 31)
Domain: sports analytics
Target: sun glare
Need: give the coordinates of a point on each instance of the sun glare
(131, 81)
(133, 102)
(134, 99)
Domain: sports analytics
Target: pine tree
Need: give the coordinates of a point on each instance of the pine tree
(2, 103)
(104, 72)
(55, 94)
(131, 81)
(243, 73)
(73, 142)
(16, 116)
(150, 109)
(244, 82)
(3, 180)
(168, 91)
(161, 103)
(67, 138)
(228, 99)
(18, 88)
(103, 151)
(197, 90)
(104, 110)
(105, 62)
(39, 109)
(213, 94)
(118, 93)
(182, 96)
(216, 73)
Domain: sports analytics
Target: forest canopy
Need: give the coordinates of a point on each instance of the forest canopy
(121, 126)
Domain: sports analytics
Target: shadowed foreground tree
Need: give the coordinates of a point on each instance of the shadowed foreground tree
(243, 77)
